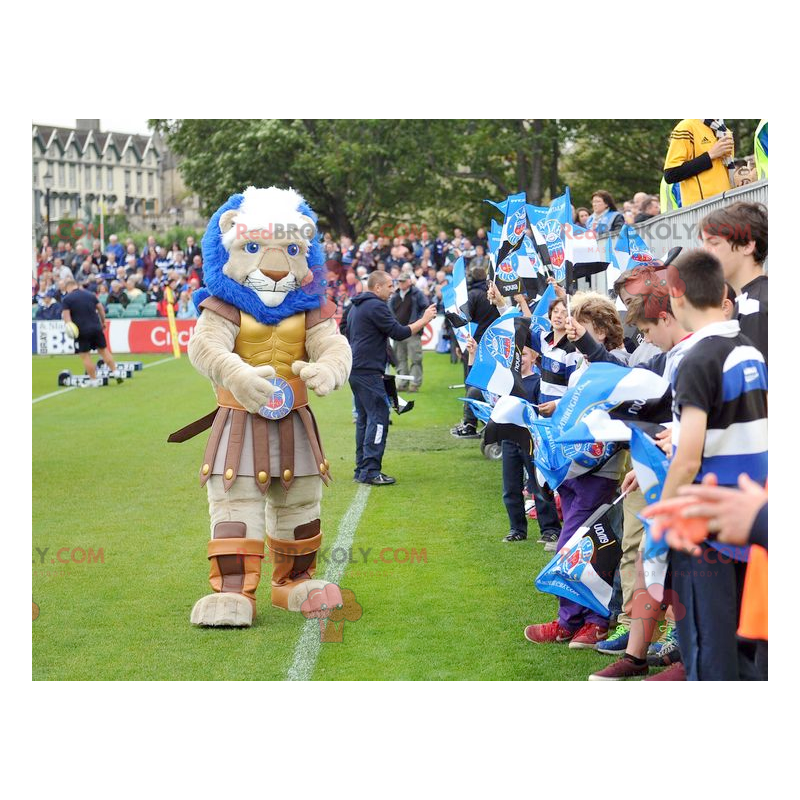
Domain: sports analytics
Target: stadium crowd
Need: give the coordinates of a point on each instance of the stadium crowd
(126, 276)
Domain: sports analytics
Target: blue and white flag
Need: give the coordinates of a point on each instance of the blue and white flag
(508, 422)
(624, 392)
(548, 455)
(460, 287)
(583, 569)
(480, 409)
(535, 214)
(493, 237)
(557, 461)
(599, 426)
(543, 304)
(499, 357)
(461, 328)
(651, 467)
(631, 250)
(514, 226)
(583, 255)
(551, 226)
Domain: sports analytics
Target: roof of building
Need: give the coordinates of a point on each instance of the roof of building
(48, 135)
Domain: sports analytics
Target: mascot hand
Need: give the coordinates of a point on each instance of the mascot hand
(251, 387)
(319, 377)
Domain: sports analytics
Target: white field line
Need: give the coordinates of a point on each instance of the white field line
(71, 388)
(307, 650)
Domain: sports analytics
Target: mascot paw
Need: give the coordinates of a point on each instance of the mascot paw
(321, 603)
(223, 609)
(318, 377)
(311, 596)
(251, 387)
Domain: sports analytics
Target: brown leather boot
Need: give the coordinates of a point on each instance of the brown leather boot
(294, 563)
(235, 573)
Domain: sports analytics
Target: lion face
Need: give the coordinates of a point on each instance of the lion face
(271, 263)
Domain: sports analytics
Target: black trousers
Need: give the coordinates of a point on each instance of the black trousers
(372, 423)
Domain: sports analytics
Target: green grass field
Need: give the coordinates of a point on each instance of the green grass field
(105, 478)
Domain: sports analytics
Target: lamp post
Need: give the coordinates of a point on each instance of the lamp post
(48, 185)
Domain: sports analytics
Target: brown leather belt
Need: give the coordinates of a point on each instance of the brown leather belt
(227, 400)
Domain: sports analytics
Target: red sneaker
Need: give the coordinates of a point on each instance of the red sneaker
(548, 632)
(588, 637)
(620, 671)
(677, 672)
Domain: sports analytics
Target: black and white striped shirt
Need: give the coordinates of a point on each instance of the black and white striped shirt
(559, 361)
(752, 309)
(723, 374)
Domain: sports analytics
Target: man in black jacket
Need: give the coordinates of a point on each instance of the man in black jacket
(370, 324)
(483, 313)
(408, 304)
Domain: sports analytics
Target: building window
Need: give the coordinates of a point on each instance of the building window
(139, 189)
(127, 181)
(62, 175)
(98, 178)
(35, 172)
(110, 178)
(150, 189)
(72, 177)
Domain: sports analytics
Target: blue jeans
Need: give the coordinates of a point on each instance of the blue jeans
(372, 423)
(709, 590)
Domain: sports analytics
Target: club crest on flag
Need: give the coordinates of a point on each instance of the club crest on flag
(507, 270)
(520, 222)
(281, 401)
(551, 230)
(587, 454)
(575, 560)
(500, 347)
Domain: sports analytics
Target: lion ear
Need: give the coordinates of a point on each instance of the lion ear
(308, 228)
(227, 219)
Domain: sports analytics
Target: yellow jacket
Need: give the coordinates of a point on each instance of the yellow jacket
(689, 164)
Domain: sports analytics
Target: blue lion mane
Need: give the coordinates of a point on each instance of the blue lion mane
(215, 257)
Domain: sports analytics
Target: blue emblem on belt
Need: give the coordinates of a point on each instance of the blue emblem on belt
(281, 402)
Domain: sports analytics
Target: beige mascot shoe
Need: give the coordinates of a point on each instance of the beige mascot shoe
(235, 573)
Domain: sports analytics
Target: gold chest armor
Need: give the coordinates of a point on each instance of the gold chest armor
(278, 346)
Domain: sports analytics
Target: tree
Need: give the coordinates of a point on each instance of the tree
(352, 172)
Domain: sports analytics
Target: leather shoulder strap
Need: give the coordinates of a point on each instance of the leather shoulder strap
(226, 310)
(326, 311)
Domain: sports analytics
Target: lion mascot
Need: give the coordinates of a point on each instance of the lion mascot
(265, 336)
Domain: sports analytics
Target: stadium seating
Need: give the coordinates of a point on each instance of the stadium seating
(139, 300)
(114, 311)
(150, 310)
(133, 311)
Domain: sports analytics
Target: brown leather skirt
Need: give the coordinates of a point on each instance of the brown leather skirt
(244, 445)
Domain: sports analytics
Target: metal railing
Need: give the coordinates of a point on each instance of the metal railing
(680, 228)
